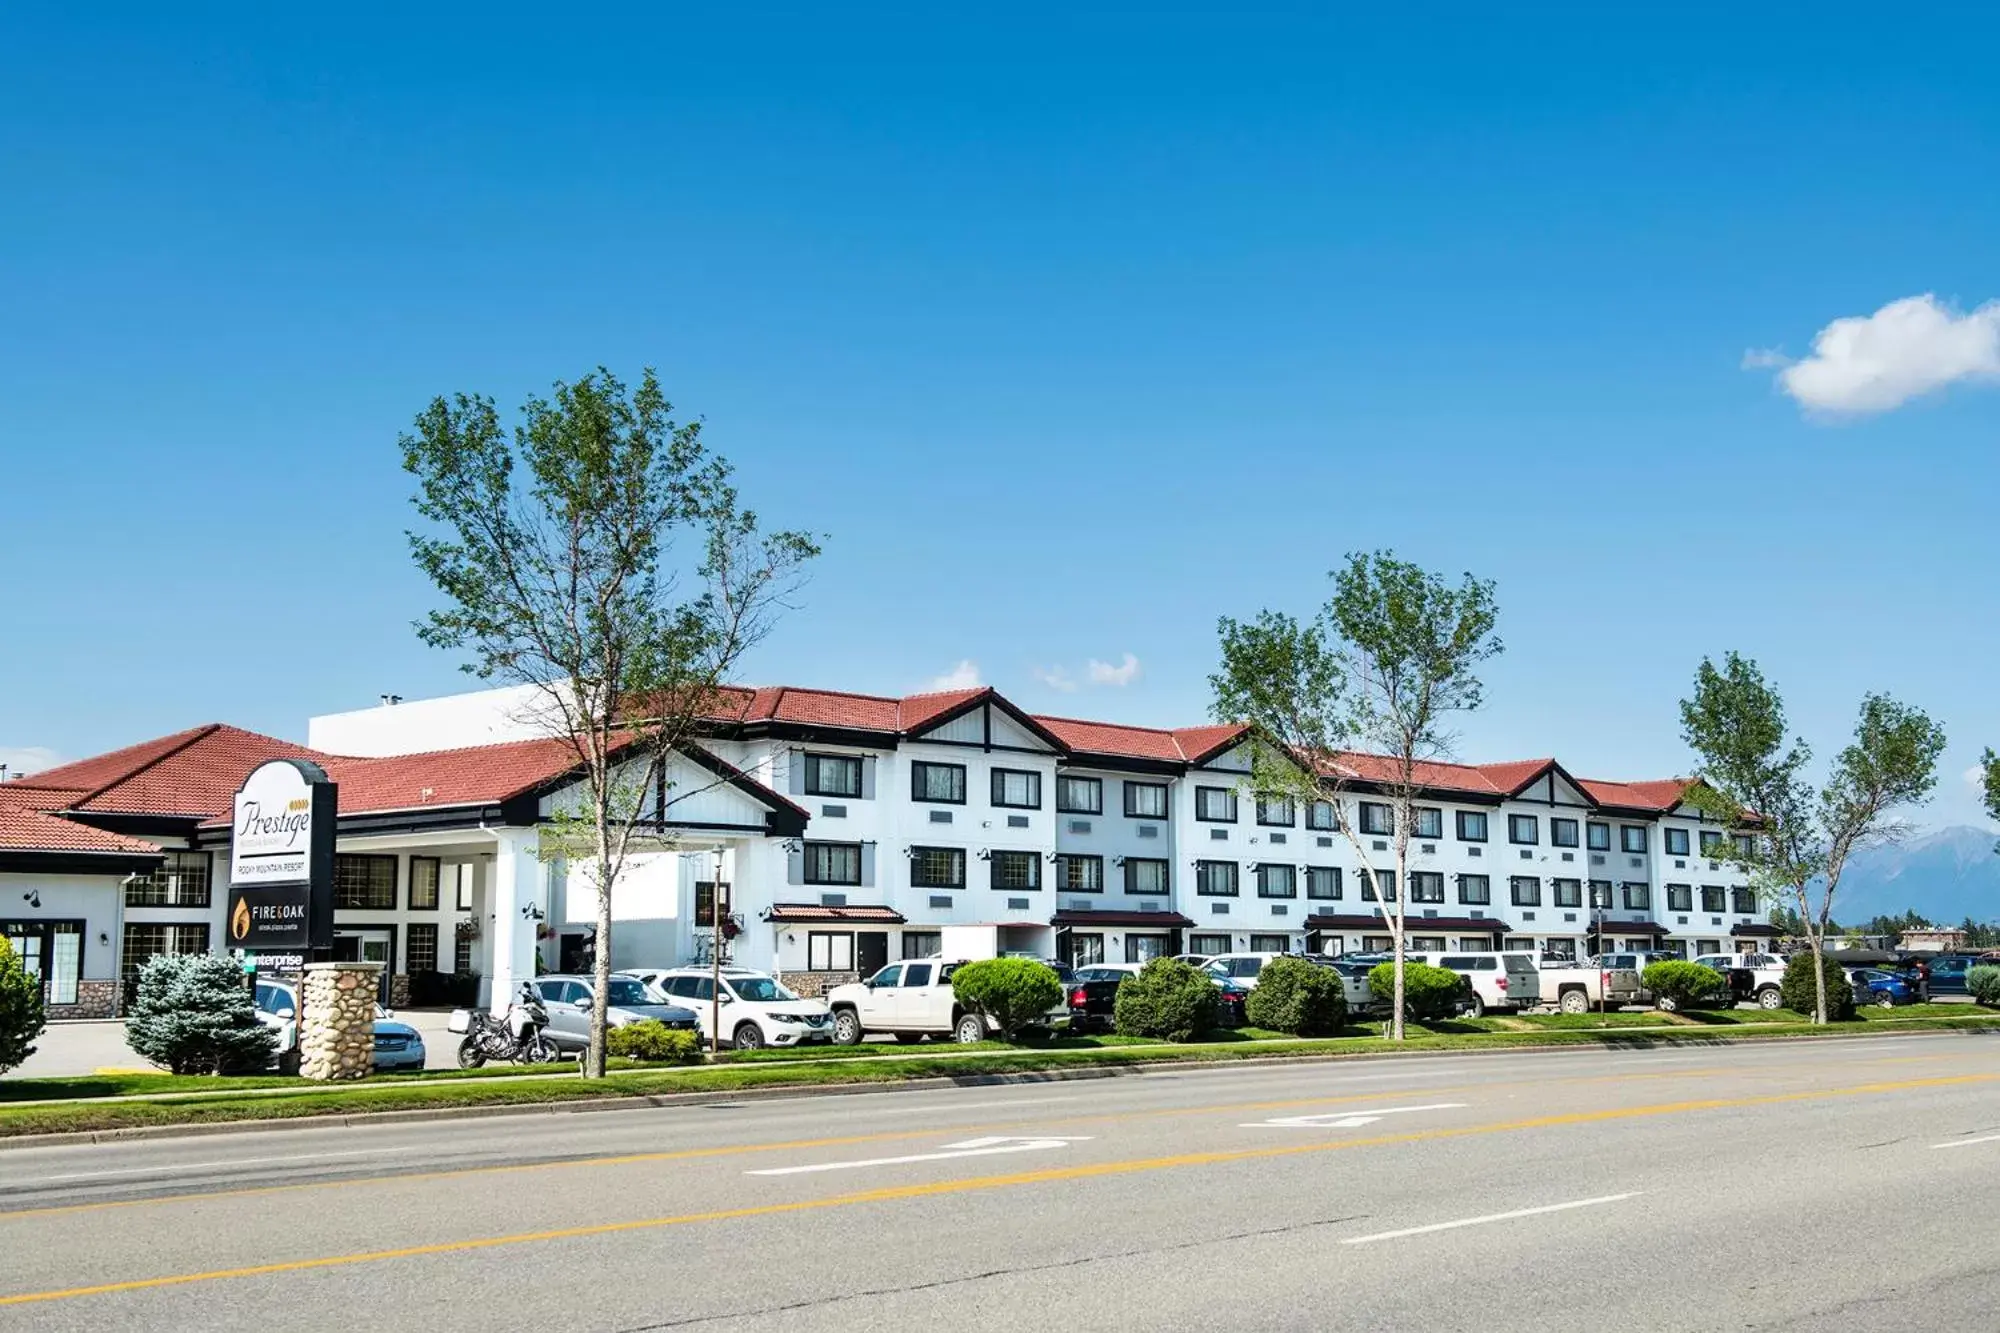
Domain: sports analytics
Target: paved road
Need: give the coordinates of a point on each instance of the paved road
(1789, 1186)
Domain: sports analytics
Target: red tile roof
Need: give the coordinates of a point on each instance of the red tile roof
(1654, 795)
(834, 708)
(193, 773)
(1179, 745)
(27, 826)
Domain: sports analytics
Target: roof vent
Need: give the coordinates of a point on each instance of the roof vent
(391, 700)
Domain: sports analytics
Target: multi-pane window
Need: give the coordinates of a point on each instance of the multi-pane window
(461, 952)
(1600, 893)
(922, 943)
(1562, 832)
(1276, 881)
(1475, 890)
(1080, 874)
(179, 881)
(1711, 897)
(1215, 879)
(1426, 944)
(833, 775)
(1145, 874)
(1599, 836)
(1017, 870)
(1429, 821)
(1677, 842)
(1017, 788)
(1215, 805)
(364, 882)
(937, 867)
(1381, 889)
(938, 784)
(147, 939)
(1680, 897)
(1377, 819)
(1426, 886)
(420, 947)
(833, 863)
(1319, 815)
(1746, 844)
(1146, 800)
(1080, 796)
(1711, 842)
(1743, 900)
(1526, 890)
(426, 875)
(1566, 892)
(1472, 826)
(1276, 811)
(1638, 897)
(1270, 943)
(1323, 882)
(1524, 829)
(1632, 837)
(1208, 945)
(829, 951)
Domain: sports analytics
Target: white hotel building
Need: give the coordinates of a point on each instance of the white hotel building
(850, 831)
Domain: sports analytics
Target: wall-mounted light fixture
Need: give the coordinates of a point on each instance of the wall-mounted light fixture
(33, 897)
(530, 912)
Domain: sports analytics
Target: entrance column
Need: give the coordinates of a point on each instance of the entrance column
(517, 888)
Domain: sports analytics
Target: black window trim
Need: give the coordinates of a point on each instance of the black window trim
(1065, 860)
(1575, 831)
(1035, 779)
(1515, 840)
(1485, 825)
(806, 863)
(1417, 813)
(1228, 793)
(917, 767)
(916, 854)
(1591, 828)
(1291, 819)
(1132, 864)
(1361, 819)
(1264, 892)
(1203, 872)
(1166, 801)
(814, 758)
(1097, 785)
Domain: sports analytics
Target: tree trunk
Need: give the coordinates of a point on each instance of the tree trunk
(600, 980)
(1402, 897)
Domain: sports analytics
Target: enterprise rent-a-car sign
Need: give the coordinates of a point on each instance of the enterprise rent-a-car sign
(281, 858)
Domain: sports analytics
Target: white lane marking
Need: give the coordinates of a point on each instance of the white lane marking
(1490, 1217)
(1346, 1119)
(989, 1147)
(169, 1167)
(972, 1106)
(1967, 1143)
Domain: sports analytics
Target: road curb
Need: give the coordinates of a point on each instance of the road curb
(644, 1101)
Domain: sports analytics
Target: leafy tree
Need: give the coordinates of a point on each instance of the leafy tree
(599, 553)
(21, 1019)
(193, 1015)
(1427, 992)
(1683, 985)
(1361, 698)
(1803, 987)
(1015, 993)
(1169, 1000)
(1802, 836)
(1297, 996)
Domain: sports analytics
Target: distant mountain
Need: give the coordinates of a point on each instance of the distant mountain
(1947, 875)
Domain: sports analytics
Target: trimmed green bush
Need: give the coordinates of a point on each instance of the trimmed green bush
(1428, 992)
(1683, 985)
(193, 1015)
(1982, 983)
(1799, 993)
(1168, 999)
(1013, 993)
(650, 1039)
(21, 1019)
(1295, 996)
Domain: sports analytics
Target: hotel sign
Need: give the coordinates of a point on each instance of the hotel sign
(281, 858)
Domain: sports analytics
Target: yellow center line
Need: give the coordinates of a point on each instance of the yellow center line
(974, 1184)
(735, 1150)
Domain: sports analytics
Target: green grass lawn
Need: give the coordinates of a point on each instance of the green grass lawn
(118, 1107)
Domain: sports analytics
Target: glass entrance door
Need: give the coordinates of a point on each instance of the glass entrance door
(363, 944)
(51, 951)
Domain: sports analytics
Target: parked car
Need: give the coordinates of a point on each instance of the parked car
(1754, 978)
(1947, 972)
(1093, 996)
(398, 1046)
(756, 1010)
(911, 1001)
(1354, 987)
(1577, 988)
(568, 1000)
(1244, 967)
(1499, 980)
(1879, 986)
(1637, 962)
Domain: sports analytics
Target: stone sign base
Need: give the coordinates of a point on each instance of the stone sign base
(337, 1027)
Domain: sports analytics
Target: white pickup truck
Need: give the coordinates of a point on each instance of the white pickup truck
(1756, 977)
(1579, 988)
(911, 1001)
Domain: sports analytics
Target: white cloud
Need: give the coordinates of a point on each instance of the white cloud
(21, 760)
(1872, 363)
(1103, 673)
(1975, 777)
(1055, 677)
(964, 676)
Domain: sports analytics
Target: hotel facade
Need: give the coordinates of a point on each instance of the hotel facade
(847, 832)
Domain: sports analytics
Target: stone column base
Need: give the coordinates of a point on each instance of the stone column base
(337, 1028)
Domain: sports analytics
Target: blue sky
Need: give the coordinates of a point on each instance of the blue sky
(1071, 333)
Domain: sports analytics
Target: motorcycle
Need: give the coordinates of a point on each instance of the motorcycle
(520, 1035)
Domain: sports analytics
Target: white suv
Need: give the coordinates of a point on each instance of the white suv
(756, 1009)
(1242, 967)
(1499, 980)
(912, 1000)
